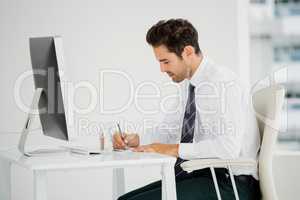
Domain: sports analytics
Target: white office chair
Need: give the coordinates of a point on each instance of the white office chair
(267, 104)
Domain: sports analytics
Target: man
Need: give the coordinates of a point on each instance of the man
(216, 120)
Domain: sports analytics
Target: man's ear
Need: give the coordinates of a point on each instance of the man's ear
(188, 51)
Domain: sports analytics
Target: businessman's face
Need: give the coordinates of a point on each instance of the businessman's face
(170, 63)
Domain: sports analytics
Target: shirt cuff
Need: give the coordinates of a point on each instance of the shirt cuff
(186, 151)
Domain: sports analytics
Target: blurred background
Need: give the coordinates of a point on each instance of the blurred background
(274, 31)
(275, 47)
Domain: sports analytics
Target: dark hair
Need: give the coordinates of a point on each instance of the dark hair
(175, 34)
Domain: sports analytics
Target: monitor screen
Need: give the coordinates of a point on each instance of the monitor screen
(46, 76)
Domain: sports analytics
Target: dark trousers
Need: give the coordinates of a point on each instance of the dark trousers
(198, 185)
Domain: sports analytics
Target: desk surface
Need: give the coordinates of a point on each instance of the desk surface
(76, 161)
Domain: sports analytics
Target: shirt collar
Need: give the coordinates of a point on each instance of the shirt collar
(199, 73)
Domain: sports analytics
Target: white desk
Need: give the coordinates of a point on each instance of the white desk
(115, 160)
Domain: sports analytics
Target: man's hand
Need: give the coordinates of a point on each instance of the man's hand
(130, 140)
(168, 149)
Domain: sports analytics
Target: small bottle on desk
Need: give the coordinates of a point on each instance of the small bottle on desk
(101, 141)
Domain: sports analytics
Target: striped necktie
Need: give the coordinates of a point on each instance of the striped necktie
(188, 125)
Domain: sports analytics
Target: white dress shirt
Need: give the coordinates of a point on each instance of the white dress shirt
(225, 125)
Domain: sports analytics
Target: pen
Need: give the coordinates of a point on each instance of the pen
(122, 135)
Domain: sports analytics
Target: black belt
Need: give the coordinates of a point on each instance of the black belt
(244, 178)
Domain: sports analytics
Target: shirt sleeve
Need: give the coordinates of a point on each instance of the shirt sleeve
(168, 130)
(221, 131)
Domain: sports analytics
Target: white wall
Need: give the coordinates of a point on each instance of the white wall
(103, 35)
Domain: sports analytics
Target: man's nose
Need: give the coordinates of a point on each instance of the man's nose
(162, 68)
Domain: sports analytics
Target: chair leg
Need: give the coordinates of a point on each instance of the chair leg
(215, 182)
(233, 183)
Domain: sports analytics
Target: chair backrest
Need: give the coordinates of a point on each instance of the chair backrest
(267, 104)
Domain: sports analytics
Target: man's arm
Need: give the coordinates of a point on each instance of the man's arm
(222, 143)
(167, 149)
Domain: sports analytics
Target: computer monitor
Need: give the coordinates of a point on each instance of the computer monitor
(47, 62)
(44, 59)
(49, 98)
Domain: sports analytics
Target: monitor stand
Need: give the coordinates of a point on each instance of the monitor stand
(26, 130)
